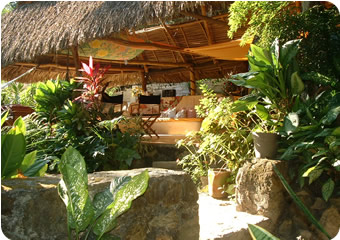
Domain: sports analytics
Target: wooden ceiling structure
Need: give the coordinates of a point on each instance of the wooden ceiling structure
(166, 37)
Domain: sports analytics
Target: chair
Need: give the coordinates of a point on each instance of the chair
(149, 117)
(115, 100)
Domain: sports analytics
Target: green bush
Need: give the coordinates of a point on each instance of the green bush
(223, 140)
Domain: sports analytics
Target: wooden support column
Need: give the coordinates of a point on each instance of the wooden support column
(76, 60)
(144, 76)
(192, 82)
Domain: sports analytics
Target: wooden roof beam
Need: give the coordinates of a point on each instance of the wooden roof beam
(145, 45)
(63, 68)
(205, 18)
(172, 38)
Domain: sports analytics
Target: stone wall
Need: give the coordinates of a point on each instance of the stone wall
(32, 209)
(259, 191)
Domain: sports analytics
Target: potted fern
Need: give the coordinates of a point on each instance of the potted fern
(276, 85)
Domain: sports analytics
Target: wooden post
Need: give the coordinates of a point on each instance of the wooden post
(76, 60)
(144, 76)
(192, 82)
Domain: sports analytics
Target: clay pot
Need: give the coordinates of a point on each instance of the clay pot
(265, 144)
(217, 181)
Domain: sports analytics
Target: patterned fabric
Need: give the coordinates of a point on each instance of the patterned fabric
(104, 49)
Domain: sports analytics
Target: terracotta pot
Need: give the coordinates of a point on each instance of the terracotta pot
(217, 180)
(265, 144)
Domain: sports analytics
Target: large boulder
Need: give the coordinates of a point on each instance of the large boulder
(259, 190)
(32, 209)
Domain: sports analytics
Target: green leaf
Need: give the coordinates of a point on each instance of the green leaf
(258, 233)
(262, 112)
(313, 173)
(291, 122)
(74, 177)
(296, 84)
(122, 202)
(240, 105)
(288, 51)
(336, 132)
(325, 132)
(327, 189)
(29, 159)
(38, 168)
(331, 115)
(299, 203)
(103, 199)
(4, 118)
(13, 148)
(261, 54)
(19, 124)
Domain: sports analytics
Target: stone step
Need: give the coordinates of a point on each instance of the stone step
(166, 164)
(219, 220)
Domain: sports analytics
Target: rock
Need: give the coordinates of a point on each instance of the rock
(259, 190)
(319, 204)
(305, 235)
(168, 210)
(330, 220)
(286, 228)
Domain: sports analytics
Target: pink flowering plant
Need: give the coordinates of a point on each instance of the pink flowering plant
(91, 83)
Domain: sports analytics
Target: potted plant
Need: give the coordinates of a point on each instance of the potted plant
(276, 85)
(221, 146)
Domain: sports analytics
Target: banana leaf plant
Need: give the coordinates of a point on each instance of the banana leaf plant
(97, 216)
(274, 77)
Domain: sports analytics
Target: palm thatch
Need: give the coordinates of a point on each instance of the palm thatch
(39, 28)
(36, 32)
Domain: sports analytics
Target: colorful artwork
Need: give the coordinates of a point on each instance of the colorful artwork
(108, 50)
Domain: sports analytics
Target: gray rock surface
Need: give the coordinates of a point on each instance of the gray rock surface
(32, 209)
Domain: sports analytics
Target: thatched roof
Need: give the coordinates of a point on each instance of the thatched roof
(35, 32)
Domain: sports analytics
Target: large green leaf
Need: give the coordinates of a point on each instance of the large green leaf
(299, 203)
(258, 233)
(13, 148)
(103, 199)
(74, 184)
(261, 54)
(288, 51)
(122, 202)
(331, 115)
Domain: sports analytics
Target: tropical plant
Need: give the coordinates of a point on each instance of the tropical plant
(316, 25)
(14, 160)
(123, 146)
(224, 138)
(312, 140)
(91, 84)
(98, 215)
(51, 96)
(274, 77)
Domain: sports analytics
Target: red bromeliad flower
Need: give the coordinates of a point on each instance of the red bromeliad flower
(92, 82)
